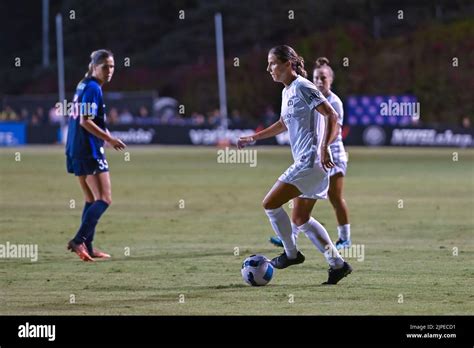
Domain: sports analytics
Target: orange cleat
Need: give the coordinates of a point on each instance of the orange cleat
(80, 250)
(97, 254)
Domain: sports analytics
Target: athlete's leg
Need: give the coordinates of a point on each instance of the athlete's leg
(316, 232)
(302, 208)
(280, 194)
(336, 185)
(294, 228)
(91, 183)
(336, 198)
(93, 214)
(76, 244)
(86, 189)
(101, 186)
(93, 186)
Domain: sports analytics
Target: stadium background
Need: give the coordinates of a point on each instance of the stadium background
(164, 62)
(182, 214)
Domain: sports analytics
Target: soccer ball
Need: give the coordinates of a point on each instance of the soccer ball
(257, 270)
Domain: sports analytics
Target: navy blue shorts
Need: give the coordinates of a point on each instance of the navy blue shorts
(80, 167)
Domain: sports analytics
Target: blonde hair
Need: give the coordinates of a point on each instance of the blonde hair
(323, 62)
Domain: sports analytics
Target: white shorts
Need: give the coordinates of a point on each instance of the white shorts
(340, 167)
(313, 182)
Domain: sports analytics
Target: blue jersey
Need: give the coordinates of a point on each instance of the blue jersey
(88, 101)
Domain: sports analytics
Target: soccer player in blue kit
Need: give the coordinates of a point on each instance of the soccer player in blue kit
(85, 154)
(304, 113)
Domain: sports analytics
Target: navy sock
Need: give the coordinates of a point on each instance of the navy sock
(87, 205)
(91, 218)
(88, 242)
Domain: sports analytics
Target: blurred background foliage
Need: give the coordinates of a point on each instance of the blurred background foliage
(176, 57)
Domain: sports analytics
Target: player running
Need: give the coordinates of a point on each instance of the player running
(85, 151)
(307, 179)
(323, 76)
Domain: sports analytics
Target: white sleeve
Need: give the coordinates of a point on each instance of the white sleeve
(337, 105)
(310, 95)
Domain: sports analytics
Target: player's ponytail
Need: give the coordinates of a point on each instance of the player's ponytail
(285, 53)
(89, 72)
(97, 57)
(299, 66)
(323, 62)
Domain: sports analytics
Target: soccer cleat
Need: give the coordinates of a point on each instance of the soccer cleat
(341, 244)
(97, 254)
(80, 250)
(283, 261)
(276, 242)
(335, 275)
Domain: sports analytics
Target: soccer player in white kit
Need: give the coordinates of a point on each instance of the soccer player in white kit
(323, 76)
(304, 113)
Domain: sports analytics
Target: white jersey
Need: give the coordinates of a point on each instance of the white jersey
(337, 147)
(306, 127)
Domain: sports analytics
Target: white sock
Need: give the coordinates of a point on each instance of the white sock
(295, 230)
(344, 232)
(282, 226)
(318, 235)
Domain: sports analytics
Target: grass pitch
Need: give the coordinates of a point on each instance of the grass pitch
(181, 216)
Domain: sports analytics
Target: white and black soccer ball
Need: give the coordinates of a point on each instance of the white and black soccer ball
(257, 270)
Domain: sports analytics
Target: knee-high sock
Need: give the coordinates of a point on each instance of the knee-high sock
(282, 226)
(295, 230)
(344, 232)
(90, 238)
(91, 218)
(318, 235)
(87, 205)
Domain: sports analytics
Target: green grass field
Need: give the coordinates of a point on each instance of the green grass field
(189, 251)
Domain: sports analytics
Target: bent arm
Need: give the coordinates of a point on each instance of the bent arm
(332, 127)
(94, 129)
(275, 129)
